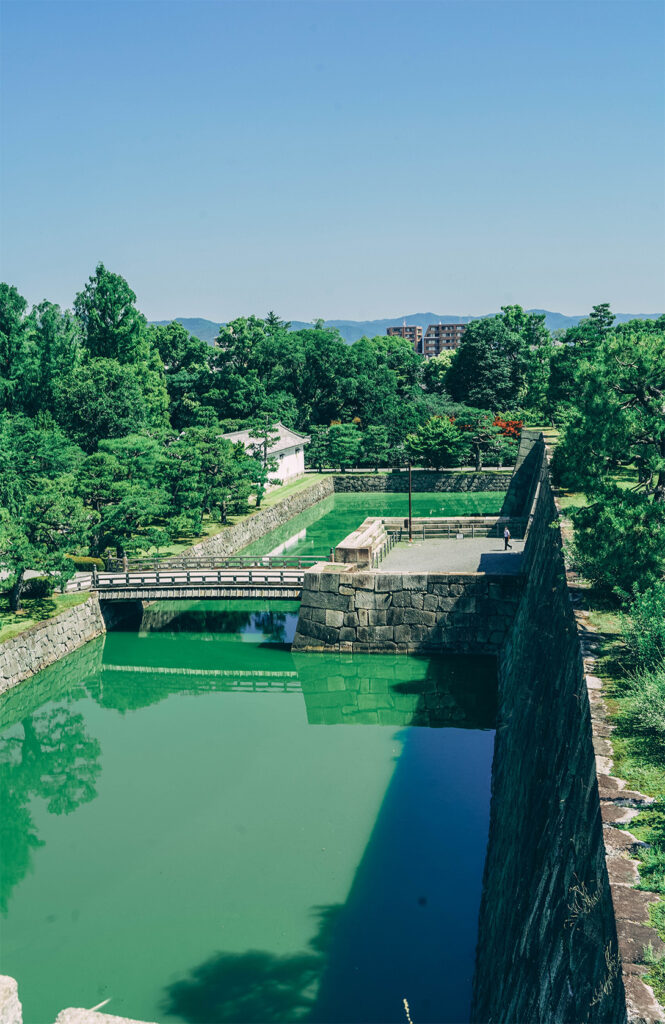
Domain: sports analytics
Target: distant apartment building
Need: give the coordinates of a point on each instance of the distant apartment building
(412, 333)
(438, 337)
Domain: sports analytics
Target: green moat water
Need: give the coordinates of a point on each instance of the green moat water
(200, 826)
(315, 531)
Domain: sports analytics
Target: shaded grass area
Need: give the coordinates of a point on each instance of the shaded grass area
(34, 610)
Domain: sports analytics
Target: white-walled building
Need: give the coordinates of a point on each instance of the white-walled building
(288, 449)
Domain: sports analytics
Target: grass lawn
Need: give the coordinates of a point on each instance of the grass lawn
(33, 611)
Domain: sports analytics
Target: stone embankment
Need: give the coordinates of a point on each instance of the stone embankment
(255, 526)
(344, 608)
(423, 480)
(41, 645)
(561, 937)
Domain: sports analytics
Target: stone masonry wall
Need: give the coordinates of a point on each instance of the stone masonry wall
(31, 651)
(345, 609)
(547, 947)
(233, 538)
(422, 480)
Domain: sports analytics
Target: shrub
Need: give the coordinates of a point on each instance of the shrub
(642, 711)
(38, 587)
(643, 627)
(84, 563)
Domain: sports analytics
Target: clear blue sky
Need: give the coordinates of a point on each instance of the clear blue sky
(336, 159)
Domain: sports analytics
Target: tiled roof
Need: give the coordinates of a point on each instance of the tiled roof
(286, 438)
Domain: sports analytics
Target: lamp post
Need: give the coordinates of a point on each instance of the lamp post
(410, 530)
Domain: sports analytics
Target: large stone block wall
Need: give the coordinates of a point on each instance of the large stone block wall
(346, 609)
(423, 480)
(252, 528)
(31, 651)
(547, 947)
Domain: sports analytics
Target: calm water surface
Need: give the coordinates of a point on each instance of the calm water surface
(327, 523)
(199, 826)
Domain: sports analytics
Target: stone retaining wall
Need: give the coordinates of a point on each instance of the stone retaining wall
(346, 609)
(41, 645)
(423, 480)
(547, 947)
(233, 538)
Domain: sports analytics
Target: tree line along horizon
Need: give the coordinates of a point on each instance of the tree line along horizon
(110, 427)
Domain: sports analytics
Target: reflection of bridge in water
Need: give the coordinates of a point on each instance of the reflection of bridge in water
(458, 691)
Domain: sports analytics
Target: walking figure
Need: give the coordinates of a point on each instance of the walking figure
(506, 540)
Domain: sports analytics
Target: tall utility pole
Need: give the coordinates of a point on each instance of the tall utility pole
(410, 531)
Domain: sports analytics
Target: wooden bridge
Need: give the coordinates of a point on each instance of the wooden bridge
(235, 578)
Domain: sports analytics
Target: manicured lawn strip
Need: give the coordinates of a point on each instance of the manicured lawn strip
(34, 610)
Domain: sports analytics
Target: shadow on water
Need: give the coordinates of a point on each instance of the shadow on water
(254, 987)
(408, 928)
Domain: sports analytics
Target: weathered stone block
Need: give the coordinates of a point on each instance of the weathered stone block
(329, 582)
(327, 600)
(350, 618)
(414, 581)
(417, 599)
(377, 617)
(334, 618)
(390, 582)
(347, 635)
(369, 599)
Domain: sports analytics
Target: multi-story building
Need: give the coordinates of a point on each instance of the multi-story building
(440, 337)
(412, 332)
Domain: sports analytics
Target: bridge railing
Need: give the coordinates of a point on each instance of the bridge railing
(264, 578)
(212, 562)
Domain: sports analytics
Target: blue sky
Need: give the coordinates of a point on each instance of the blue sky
(336, 159)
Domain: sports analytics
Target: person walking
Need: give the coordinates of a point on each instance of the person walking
(506, 540)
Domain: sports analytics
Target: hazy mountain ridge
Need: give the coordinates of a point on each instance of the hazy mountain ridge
(351, 330)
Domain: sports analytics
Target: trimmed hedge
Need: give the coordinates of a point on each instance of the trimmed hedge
(84, 563)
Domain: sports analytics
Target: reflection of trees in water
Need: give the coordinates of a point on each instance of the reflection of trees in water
(254, 987)
(54, 759)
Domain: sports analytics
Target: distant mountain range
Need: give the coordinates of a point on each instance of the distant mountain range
(351, 330)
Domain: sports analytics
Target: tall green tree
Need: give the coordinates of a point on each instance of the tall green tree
(17, 357)
(375, 447)
(620, 417)
(51, 522)
(57, 349)
(113, 328)
(490, 366)
(100, 399)
(436, 444)
(344, 442)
